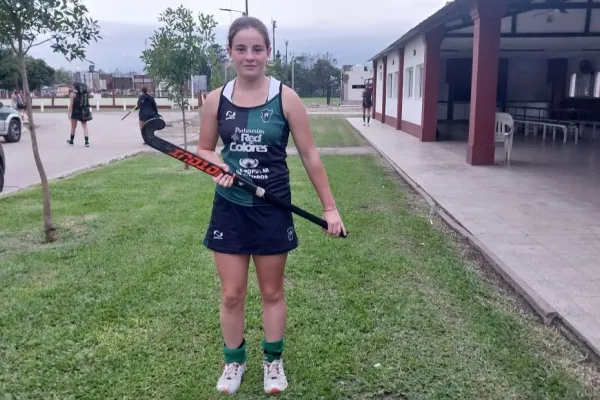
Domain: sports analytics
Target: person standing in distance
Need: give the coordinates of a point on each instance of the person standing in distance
(79, 110)
(147, 107)
(367, 103)
(254, 115)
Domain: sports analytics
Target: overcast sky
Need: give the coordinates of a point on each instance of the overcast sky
(299, 13)
(352, 31)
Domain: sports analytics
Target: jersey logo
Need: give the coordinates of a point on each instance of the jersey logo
(248, 162)
(229, 115)
(265, 115)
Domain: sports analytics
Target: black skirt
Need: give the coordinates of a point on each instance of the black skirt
(257, 230)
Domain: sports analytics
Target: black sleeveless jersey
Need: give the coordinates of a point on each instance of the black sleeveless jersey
(255, 141)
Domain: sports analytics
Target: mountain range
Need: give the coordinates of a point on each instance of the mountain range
(122, 44)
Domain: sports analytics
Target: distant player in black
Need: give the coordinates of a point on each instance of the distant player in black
(254, 116)
(147, 107)
(79, 110)
(367, 103)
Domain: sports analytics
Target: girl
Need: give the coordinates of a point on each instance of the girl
(147, 107)
(79, 110)
(367, 104)
(254, 115)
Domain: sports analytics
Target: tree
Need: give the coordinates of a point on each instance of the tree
(178, 50)
(327, 74)
(214, 64)
(65, 25)
(215, 69)
(61, 76)
(276, 68)
(316, 75)
(40, 74)
(8, 70)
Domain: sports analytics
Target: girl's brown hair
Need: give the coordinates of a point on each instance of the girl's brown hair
(245, 23)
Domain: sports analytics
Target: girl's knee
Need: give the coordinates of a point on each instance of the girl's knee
(272, 295)
(233, 299)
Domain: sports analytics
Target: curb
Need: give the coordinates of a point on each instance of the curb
(85, 168)
(544, 310)
(72, 172)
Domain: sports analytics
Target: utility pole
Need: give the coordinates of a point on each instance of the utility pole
(286, 47)
(293, 76)
(274, 23)
(247, 7)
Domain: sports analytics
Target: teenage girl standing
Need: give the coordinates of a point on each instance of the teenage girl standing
(79, 110)
(253, 115)
(367, 104)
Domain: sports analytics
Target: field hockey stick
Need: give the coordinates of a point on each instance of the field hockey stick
(156, 124)
(133, 109)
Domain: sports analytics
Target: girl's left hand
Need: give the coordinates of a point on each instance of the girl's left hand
(335, 226)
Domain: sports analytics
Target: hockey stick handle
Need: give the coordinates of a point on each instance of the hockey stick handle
(214, 170)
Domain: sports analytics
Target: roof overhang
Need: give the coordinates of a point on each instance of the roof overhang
(456, 15)
(446, 14)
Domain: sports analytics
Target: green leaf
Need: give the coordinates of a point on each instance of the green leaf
(178, 49)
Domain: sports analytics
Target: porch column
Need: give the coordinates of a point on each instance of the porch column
(400, 87)
(384, 89)
(374, 89)
(431, 75)
(487, 16)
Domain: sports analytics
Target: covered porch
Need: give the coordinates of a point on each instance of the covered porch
(537, 60)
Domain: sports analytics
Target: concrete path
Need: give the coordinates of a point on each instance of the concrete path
(537, 221)
(110, 139)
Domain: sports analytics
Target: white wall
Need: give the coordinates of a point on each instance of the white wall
(391, 101)
(379, 86)
(412, 104)
(356, 77)
(527, 80)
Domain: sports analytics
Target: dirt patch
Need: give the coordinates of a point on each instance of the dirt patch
(32, 240)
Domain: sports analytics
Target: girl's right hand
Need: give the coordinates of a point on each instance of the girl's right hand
(224, 180)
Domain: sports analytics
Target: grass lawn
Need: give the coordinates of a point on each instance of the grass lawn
(333, 131)
(330, 131)
(126, 304)
(320, 100)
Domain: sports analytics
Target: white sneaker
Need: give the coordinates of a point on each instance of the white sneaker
(230, 380)
(274, 377)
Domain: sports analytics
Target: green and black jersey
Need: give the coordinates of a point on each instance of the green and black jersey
(255, 141)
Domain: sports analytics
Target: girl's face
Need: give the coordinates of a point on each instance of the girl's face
(249, 53)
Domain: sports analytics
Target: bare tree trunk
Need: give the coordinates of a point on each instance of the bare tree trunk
(49, 229)
(184, 127)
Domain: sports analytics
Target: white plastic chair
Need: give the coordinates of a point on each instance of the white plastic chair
(505, 127)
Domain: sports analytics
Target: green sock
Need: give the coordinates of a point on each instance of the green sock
(235, 355)
(72, 137)
(368, 119)
(272, 350)
(86, 139)
(364, 117)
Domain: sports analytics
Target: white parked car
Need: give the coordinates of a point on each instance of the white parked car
(10, 124)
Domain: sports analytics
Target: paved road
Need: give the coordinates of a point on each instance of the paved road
(110, 138)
